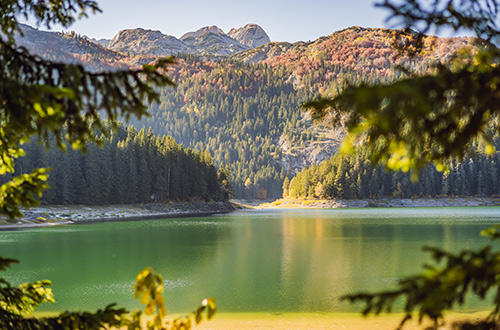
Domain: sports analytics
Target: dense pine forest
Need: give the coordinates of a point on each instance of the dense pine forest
(129, 167)
(350, 176)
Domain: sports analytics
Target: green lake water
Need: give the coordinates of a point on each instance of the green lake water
(250, 261)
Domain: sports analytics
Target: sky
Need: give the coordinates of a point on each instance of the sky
(283, 20)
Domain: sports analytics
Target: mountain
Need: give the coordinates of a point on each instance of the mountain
(122, 50)
(151, 42)
(209, 40)
(70, 47)
(247, 111)
(245, 108)
(251, 35)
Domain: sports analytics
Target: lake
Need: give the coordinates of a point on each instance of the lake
(250, 261)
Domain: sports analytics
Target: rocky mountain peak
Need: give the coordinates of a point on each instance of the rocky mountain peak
(66, 46)
(250, 35)
(202, 31)
(152, 42)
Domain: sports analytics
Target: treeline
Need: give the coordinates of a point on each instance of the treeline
(130, 167)
(351, 176)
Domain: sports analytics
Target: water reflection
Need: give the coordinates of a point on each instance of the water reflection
(250, 261)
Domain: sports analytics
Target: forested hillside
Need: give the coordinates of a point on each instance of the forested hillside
(240, 111)
(130, 167)
(348, 176)
(245, 109)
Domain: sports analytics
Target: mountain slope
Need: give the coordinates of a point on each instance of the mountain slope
(245, 108)
(249, 114)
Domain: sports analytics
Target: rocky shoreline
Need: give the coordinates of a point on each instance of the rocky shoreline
(49, 215)
(383, 202)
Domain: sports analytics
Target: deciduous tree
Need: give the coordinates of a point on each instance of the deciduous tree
(47, 99)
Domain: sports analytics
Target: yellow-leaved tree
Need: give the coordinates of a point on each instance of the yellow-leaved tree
(41, 98)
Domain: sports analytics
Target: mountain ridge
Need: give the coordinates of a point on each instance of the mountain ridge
(71, 47)
(208, 40)
(141, 41)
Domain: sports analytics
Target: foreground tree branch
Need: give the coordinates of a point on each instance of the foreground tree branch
(42, 98)
(428, 119)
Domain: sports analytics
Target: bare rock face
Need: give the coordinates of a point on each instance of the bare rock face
(141, 41)
(211, 40)
(324, 142)
(251, 35)
(200, 32)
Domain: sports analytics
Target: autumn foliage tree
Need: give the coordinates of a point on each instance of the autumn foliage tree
(41, 98)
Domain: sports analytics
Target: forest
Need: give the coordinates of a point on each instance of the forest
(129, 167)
(349, 176)
(239, 108)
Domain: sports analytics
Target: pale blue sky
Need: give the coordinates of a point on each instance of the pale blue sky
(283, 20)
